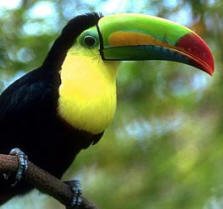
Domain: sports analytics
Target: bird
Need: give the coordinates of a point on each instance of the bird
(64, 106)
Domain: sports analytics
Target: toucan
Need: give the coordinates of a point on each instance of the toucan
(65, 105)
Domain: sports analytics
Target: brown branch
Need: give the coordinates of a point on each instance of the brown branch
(43, 181)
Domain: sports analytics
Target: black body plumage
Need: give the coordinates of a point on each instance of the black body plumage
(29, 118)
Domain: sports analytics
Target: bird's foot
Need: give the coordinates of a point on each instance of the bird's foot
(23, 165)
(76, 188)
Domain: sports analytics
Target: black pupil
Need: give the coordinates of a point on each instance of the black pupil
(90, 41)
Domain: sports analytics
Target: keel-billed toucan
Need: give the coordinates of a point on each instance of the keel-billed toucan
(62, 107)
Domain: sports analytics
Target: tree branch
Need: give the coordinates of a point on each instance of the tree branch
(43, 181)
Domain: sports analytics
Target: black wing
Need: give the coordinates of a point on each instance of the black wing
(33, 92)
(27, 108)
(22, 108)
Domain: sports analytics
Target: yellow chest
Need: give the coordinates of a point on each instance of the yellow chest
(87, 94)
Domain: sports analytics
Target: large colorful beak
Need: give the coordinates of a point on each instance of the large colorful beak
(142, 37)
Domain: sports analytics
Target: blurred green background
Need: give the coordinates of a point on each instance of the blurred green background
(164, 149)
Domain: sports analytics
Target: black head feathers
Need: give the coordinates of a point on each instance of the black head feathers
(80, 23)
(67, 38)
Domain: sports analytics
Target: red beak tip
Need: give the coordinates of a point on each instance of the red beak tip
(210, 73)
(196, 48)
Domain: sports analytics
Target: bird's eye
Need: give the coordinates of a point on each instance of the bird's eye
(90, 41)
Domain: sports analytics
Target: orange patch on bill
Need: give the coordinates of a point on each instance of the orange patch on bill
(121, 38)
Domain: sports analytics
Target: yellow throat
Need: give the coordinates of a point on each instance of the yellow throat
(87, 94)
